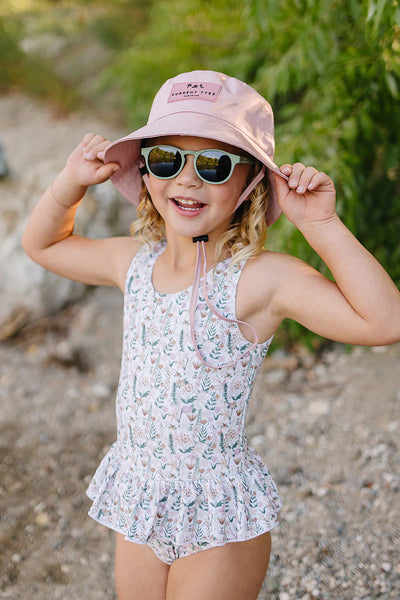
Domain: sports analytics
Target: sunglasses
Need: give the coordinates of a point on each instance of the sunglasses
(212, 166)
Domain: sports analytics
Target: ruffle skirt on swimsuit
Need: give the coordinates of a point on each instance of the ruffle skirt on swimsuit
(209, 511)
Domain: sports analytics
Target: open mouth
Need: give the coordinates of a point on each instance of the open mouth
(188, 205)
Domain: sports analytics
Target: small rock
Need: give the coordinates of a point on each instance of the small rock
(67, 355)
(257, 441)
(101, 391)
(275, 377)
(73, 393)
(288, 362)
(105, 558)
(273, 583)
(308, 361)
(4, 169)
(16, 558)
(42, 519)
(379, 349)
(318, 408)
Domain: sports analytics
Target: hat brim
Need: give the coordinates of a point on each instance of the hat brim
(126, 151)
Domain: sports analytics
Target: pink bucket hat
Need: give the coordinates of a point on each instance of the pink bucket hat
(202, 104)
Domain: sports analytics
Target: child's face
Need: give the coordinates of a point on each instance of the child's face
(189, 205)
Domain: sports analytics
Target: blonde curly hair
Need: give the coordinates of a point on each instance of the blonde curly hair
(246, 236)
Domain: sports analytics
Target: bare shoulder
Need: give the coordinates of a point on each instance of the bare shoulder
(271, 276)
(124, 249)
(260, 282)
(267, 270)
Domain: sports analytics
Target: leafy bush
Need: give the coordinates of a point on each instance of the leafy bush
(180, 36)
(334, 81)
(331, 71)
(10, 56)
(30, 72)
(57, 49)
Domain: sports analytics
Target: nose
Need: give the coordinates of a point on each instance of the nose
(188, 176)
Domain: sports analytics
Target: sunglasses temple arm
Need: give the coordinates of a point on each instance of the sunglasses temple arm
(144, 173)
(250, 187)
(145, 178)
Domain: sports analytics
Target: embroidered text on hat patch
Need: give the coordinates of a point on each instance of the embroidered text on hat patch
(195, 90)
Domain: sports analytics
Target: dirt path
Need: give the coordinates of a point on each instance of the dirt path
(329, 434)
(327, 429)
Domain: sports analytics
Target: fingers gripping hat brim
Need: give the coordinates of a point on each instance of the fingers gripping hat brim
(201, 104)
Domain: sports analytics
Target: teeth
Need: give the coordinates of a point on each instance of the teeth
(188, 202)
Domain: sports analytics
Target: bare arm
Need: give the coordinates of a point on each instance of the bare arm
(49, 238)
(362, 305)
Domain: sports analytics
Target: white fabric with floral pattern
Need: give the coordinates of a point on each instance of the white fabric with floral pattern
(181, 472)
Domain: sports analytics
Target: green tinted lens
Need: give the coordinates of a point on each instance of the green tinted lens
(214, 166)
(164, 161)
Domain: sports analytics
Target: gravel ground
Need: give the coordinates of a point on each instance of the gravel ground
(327, 428)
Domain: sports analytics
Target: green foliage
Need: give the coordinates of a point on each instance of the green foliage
(181, 35)
(58, 49)
(10, 56)
(33, 73)
(331, 70)
(334, 82)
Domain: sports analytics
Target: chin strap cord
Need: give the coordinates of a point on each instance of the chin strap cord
(246, 192)
(201, 265)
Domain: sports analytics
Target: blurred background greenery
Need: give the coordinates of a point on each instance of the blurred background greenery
(331, 70)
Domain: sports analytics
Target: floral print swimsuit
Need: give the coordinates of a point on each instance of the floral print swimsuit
(180, 476)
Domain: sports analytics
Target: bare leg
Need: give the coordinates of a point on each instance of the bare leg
(232, 572)
(139, 574)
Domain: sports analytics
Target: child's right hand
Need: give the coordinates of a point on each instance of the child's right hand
(49, 237)
(85, 165)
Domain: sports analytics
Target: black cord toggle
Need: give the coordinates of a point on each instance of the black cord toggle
(200, 238)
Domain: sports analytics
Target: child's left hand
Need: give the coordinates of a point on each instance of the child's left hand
(308, 197)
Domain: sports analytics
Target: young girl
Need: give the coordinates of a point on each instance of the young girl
(192, 505)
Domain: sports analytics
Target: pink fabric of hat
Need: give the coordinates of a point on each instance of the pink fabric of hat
(201, 104)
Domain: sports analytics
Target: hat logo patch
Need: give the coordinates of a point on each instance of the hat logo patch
(195, 90)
